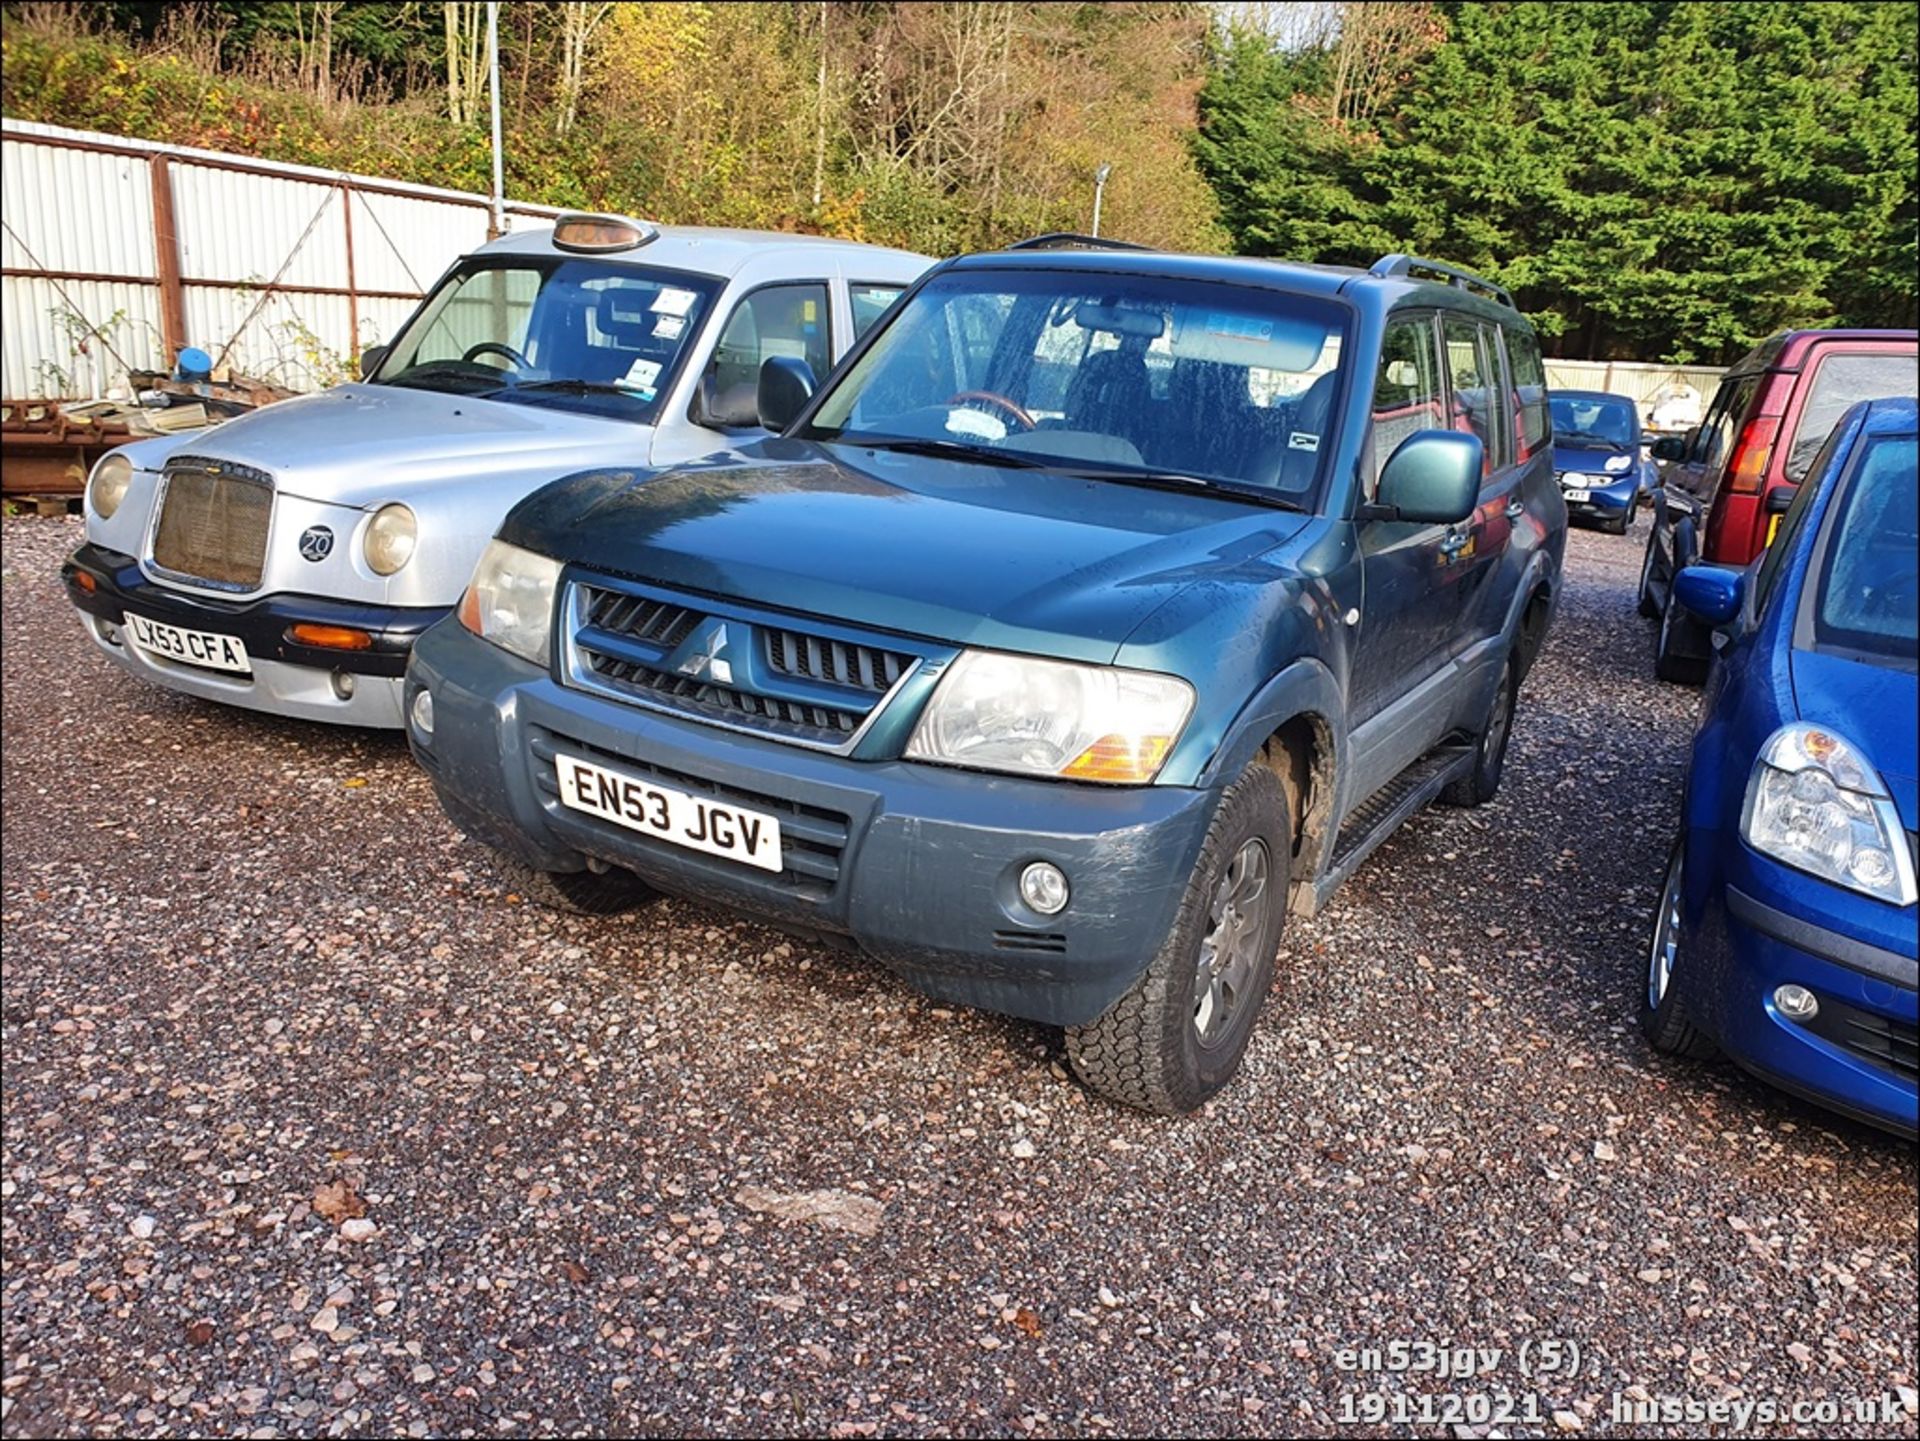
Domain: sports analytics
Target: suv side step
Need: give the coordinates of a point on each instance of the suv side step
(1379, 816)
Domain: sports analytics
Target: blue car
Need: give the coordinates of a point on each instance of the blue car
(1786, 930)
(1596, 457)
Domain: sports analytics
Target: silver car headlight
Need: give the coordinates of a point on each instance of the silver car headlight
(107, 486)
(390, 538)
(998, 712)
(510, 600)
(1815, 803)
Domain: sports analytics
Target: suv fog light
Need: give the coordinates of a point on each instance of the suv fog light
(423, 711)
(343, 684)
(1043, 886)
(1796, 1003)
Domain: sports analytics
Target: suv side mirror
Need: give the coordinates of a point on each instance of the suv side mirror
(734, 408)
(786, 385)
(1670, 447)
(1434, 477)
(370, 359)
(1712, 592)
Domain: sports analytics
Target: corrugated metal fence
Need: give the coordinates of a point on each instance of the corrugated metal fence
(114, 253)
(1645, 383)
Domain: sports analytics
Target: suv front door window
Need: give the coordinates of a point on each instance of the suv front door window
(1408, 614)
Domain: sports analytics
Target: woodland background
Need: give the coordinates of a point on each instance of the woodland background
(1664, 181)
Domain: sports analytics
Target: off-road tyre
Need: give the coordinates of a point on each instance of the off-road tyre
(1482, 783)
(1146, 1051)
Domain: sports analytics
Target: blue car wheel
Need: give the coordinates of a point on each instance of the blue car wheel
(1663, 1012)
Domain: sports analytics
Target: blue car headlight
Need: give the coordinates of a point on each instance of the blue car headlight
(1815, 803)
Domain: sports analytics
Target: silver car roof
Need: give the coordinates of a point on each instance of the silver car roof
(711, 250)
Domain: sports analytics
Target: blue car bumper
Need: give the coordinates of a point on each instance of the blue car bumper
(917, 865)
(1755, 933)
(1609, 502)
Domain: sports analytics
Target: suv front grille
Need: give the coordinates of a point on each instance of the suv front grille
(682, 654)
(213, 522)
(792, 652)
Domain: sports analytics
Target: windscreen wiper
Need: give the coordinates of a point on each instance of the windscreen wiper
(422, 376)
(944, 449)
(571, 387)
(1176, 480)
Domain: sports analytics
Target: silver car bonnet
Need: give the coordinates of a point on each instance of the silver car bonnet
(360, 445)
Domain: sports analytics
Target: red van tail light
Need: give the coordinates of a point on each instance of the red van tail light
(1750, 454)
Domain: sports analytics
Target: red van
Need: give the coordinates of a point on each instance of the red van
(1726, 484)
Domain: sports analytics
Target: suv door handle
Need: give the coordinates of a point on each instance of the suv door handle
(1453, 542)
(1516, 508)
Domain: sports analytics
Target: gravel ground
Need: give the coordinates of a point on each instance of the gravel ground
(254, 985)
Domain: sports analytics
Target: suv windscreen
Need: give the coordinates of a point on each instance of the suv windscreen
(1839, 381)
(1593, 424)
(1103, 374)
(582, 334)
(1866, 603)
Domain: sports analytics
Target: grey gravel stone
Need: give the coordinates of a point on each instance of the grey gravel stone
(1447, 1127)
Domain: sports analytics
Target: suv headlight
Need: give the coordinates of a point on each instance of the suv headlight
(389, 540)
(510, 600)
(107, 486)
(1001, 712)
(1814, 802)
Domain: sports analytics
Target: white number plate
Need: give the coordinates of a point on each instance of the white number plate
(1576, 495)
(195, 647)
(691, 821)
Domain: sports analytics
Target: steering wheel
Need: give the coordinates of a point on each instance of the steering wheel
(520, 362)
(992, 400)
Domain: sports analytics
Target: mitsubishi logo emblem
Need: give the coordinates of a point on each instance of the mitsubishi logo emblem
(707, 655)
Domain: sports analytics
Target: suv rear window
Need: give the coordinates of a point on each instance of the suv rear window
(1839, 381)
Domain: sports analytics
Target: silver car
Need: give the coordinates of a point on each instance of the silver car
(286, 560)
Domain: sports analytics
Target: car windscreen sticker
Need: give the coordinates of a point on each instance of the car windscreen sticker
(1303, 440)
(977, 423)
(640, 376)
(669, 327)
(673, 301)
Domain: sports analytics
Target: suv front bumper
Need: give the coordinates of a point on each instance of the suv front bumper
(288, 678)
(918, 865)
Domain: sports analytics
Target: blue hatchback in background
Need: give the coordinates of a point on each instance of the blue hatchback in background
(1786, 929)
(1596, 457)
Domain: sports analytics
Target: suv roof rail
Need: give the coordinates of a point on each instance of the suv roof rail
(1451, 274)
(1067, 240)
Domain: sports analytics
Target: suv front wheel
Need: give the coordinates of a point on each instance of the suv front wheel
(1177, 1036)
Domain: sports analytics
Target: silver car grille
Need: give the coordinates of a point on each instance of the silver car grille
(779, 678)
(213, 522)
